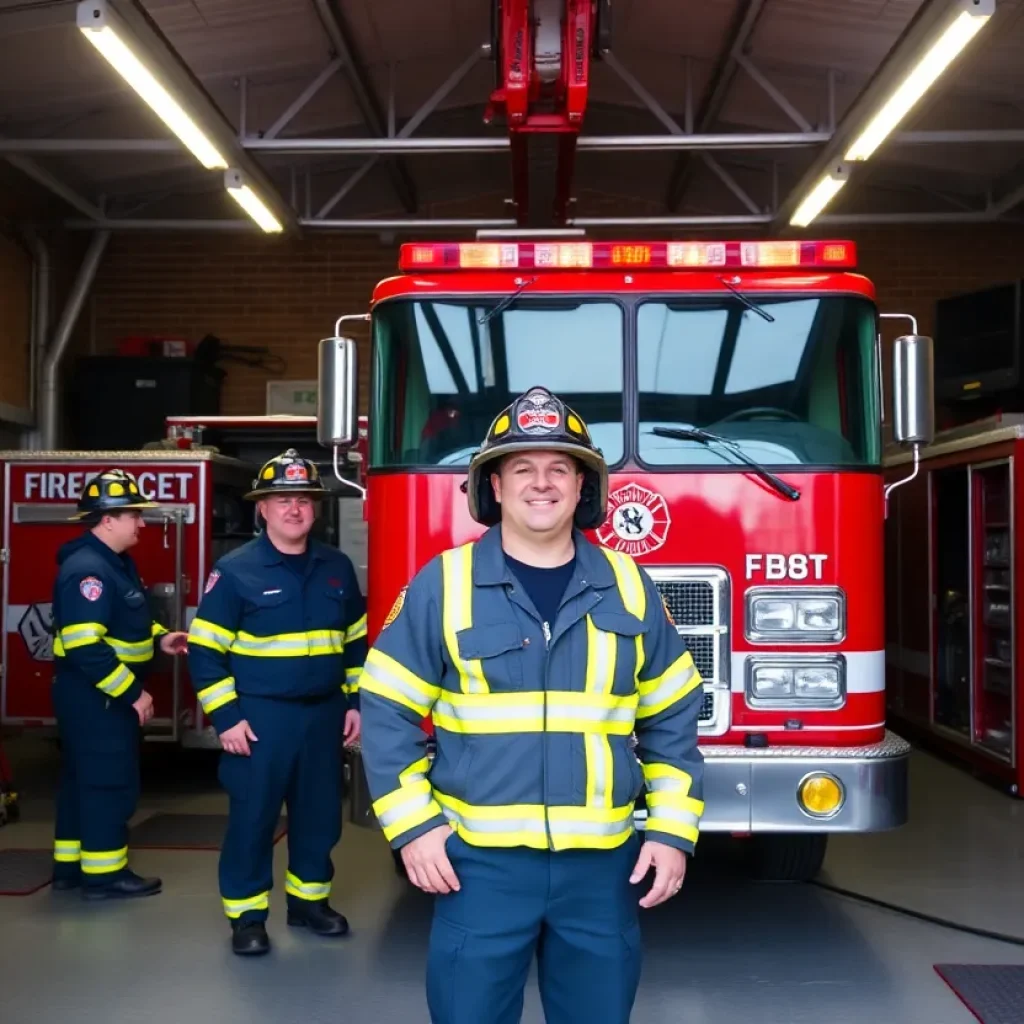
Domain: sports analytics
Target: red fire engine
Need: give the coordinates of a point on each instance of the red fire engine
(735, 390)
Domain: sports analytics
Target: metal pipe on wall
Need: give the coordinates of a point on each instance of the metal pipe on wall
(49, 397)
(41, 279)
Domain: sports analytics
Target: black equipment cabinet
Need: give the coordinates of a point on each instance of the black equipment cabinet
(121, 402)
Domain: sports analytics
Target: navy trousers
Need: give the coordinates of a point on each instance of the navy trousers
(575, 910)
(297, 761)
(98, 789)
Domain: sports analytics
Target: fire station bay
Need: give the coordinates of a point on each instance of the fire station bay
(509, 511)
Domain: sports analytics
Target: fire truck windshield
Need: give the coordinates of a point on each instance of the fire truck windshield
(800, 389)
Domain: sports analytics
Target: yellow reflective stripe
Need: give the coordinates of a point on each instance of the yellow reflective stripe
(235, 908)
(534, 711)
(674, 822)
(678, 680)
(356, 631)
(602, 649)
(216, 695)
(289, 645)
(117, 682)
(388, 678)
(131, 650)
(408, 806)
(533, 825)
(103, 862)
(58, 648)
(666, 778)
(159, 629)
(67, 851)
(670, 808)
(351, 684)
(634, 596)
(294, 886)
(457, 614)
(209, 634)
(81, 634)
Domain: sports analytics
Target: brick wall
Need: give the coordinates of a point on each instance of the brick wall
(285, 294)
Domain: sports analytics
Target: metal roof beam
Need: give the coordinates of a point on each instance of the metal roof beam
(362, 90)
(303, 99)
(714, 99)
(41, 176)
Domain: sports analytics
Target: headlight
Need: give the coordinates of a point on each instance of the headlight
(790, 681)
(792, 615)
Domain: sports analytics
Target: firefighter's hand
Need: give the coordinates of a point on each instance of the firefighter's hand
(144, 707)
(670, 869)
(426, 861)
(236, 739)
(174, 643)
(353, 725)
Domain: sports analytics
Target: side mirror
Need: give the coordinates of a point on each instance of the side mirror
(337, 394)
(913, 388)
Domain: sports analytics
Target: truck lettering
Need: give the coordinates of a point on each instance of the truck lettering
(68, 486)
(783, 567)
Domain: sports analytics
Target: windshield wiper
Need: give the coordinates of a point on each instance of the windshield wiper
(507, 301)
(706, 437)
(747, 302)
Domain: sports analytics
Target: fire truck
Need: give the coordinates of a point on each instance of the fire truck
(735, 389)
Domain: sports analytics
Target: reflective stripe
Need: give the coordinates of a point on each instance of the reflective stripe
(351, 684)
(117, 682)
(103, 862)
(670, 808)
(387, 678)
(679, 679)
(602, 649)
(209, 634)
(600, 770)
(560, 828)
(67, 851)
(534, 711)
(131, 650)
(674, 822)
(217, 694)
(159, 629)
(294, 886)
(235, 908)
(81, 634)
(409, 805)
(290, 645)
(356, 631)
(457, 614)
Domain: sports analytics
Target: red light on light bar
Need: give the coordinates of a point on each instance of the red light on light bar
(759, 255)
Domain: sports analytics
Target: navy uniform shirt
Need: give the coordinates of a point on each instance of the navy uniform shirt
(275, 625)
(102, 623)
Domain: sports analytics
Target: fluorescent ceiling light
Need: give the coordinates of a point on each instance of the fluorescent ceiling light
(974, 14)
(820, 196)
(234, 182)
(109, 38)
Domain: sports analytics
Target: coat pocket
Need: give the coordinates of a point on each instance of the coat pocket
(498, 648)
(623, 634)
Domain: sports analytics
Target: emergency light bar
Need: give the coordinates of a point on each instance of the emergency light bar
(774, 255)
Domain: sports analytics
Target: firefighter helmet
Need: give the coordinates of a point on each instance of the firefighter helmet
(539, 421)
(289, 473)
(110, 491)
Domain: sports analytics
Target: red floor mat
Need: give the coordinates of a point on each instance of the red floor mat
(23, 872)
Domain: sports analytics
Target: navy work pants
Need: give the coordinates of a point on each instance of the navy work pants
(296, 761)
(575, 910)
(98, 789)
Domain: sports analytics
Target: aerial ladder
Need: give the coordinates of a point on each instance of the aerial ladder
(542, 51)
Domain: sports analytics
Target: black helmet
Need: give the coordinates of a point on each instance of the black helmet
(287, 474)
(539, 421)
(109, 491)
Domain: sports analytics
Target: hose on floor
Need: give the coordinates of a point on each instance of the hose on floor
(1013, 940)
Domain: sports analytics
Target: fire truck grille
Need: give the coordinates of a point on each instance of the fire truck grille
(691, 602)
(698, 601)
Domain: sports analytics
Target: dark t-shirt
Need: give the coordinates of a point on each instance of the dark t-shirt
(297, 563)
(545, 587)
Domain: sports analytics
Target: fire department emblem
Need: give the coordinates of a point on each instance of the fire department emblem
(395, 608)
(91, 588)
(538, 414)
(211, 581)
(295, 471)
(637, 523)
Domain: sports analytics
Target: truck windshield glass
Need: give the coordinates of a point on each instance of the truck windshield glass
(441, 376)
(801, 390)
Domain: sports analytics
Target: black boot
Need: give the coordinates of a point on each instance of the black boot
(249, 938)
(125, 887)
(62, 882)
(318, 917)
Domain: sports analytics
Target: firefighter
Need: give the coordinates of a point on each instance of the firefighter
(539, 657)
(275, 653)
(103, 643)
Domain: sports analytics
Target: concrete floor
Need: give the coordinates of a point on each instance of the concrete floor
(726, 950)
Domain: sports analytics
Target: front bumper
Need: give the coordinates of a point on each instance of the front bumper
(750, 790)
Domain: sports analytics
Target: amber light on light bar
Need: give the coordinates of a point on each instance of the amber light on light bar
(775, 255)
